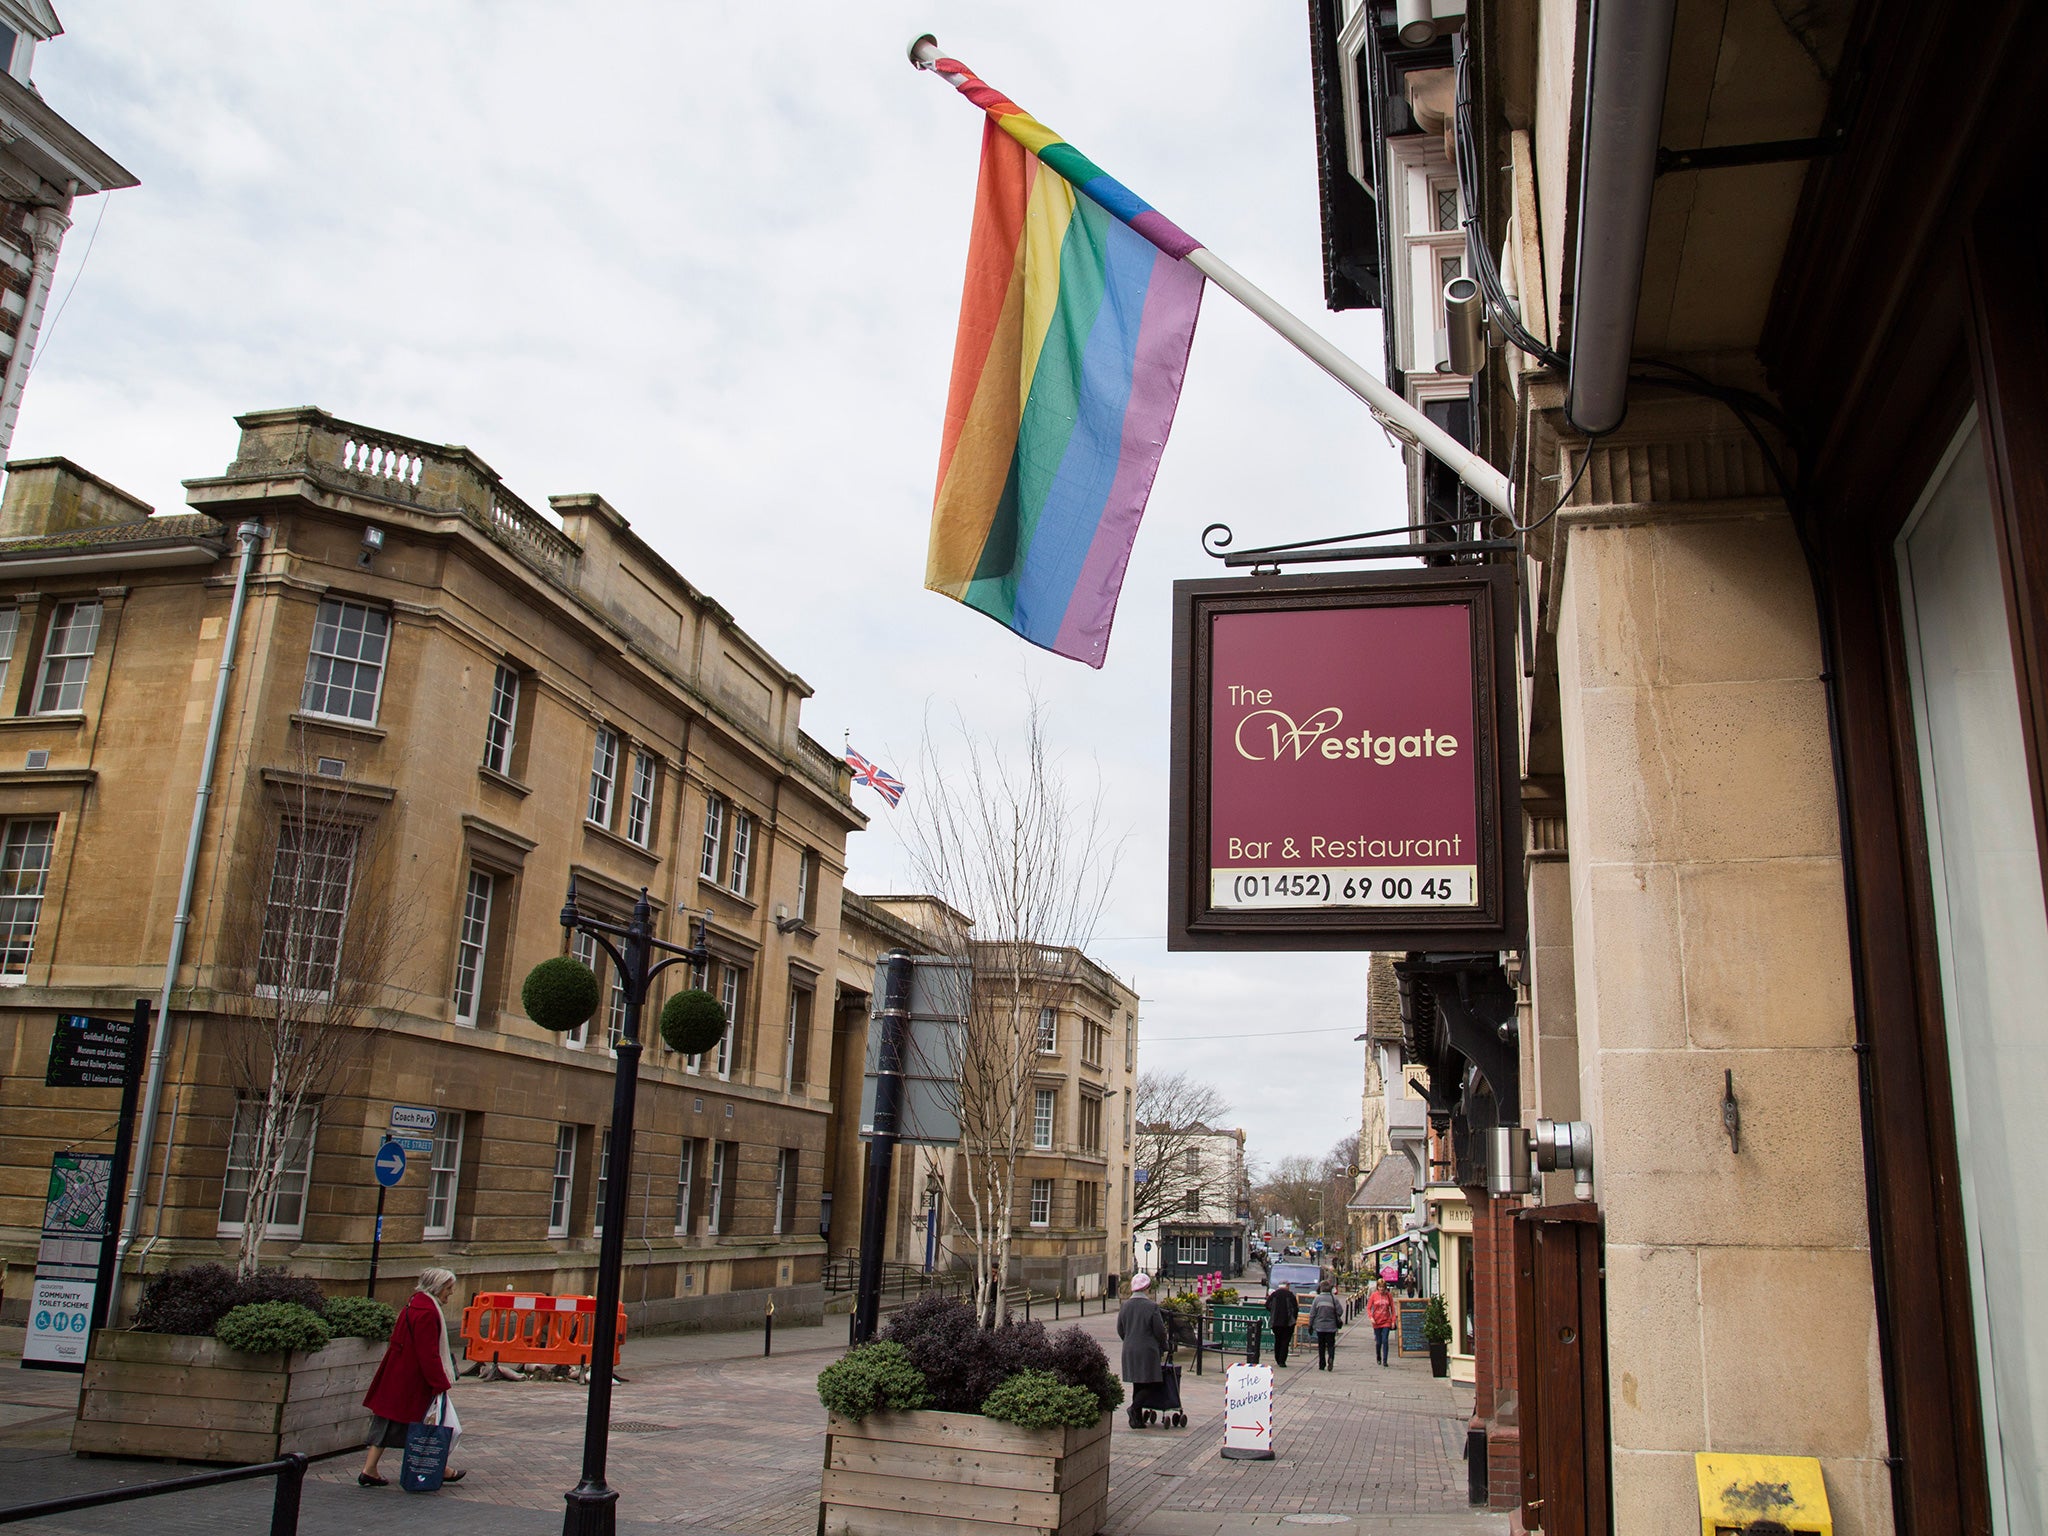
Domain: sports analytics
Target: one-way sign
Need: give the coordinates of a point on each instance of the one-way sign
(91, 1053)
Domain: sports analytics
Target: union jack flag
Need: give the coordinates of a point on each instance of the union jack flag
(880, 780)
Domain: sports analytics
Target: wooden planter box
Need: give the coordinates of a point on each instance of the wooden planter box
(188, 1396)
(958, 1474)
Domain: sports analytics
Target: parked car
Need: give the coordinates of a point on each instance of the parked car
(1303, 1277)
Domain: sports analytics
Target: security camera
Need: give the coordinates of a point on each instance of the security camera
(1465, 326)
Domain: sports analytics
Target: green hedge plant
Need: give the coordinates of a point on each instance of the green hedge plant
(360, 1317)
(874, 1378)
(1040, 1400)
(560, 994)
(692, 1022)
(272, 1328)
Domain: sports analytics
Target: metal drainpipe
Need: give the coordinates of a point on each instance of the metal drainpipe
(251, 534)
(1628, 56)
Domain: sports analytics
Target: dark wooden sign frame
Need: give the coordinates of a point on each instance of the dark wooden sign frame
(1498, 922)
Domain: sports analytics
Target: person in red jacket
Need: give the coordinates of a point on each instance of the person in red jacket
(1381, 1313)
(417, 1367)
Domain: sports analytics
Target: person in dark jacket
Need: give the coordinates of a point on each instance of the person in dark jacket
(416, 1369)
(1142, 1327)
(1284, 1308)
(1325, 1317)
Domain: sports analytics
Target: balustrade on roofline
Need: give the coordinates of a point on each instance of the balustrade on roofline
(400, 465)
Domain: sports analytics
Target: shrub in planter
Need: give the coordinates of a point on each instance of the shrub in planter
(272, 1328)
(1040, 1400)
(963, 1362)
(360, 1317)
(1436, 1323)
(874, 1378)
(1226, 1297)
(194, 1300)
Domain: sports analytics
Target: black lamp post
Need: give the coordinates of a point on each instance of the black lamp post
(593, 1507)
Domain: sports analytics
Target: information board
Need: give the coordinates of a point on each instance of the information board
(1343, 753)
(1412, 1309)
(91, 1053)
(67, 1261)
(1248, 1413)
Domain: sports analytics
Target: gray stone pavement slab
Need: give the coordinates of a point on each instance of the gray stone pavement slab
(710, 1439)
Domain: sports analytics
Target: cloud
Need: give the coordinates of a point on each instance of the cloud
(705, 260)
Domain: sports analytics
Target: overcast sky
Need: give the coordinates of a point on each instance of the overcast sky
(705, 260)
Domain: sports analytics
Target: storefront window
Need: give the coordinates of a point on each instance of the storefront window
(1992, 933)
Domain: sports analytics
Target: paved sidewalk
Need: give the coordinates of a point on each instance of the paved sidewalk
(710, 1439)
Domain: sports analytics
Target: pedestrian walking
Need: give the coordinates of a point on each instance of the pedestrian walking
(1284, 1308)
(1142, 1327)
(1325, 1317)
(1381, 1313)
(417, 1368)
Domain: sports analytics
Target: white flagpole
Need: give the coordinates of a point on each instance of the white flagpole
(1399, 417)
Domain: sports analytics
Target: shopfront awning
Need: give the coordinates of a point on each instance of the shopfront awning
(1417, 1233)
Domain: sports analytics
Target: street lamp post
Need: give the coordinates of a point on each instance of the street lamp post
(934, 1186)
(593, 1507)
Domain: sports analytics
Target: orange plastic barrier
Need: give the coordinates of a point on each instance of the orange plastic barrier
(528, 1328)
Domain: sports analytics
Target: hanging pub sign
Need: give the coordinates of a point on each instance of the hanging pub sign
(1344, 763)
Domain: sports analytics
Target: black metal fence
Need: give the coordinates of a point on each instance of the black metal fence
(290, 1472)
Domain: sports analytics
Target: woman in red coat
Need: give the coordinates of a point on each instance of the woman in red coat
(417, 1367)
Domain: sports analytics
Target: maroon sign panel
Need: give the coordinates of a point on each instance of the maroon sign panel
(1338, 763)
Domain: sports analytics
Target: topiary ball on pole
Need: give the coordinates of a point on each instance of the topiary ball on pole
(560, 994)
(692, 1022)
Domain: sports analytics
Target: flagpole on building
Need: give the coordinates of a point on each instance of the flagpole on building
(1395, 413)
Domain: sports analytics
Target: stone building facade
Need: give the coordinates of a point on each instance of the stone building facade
(1771, 401)
(502, 701)
(46, 165)
(1073, 1220)
(1209, 1233)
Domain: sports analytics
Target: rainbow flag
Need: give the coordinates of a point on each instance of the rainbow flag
(1074, 333)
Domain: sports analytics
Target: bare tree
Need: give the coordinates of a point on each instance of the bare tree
(1174, 1113)
(314, 927)
(1294, 1189)
(1005, 841)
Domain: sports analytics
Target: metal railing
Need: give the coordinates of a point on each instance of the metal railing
(289, 1470)
(901, 1282)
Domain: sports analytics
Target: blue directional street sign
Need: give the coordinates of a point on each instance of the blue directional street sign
(390, 1164)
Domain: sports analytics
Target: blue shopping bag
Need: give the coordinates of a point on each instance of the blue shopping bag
(426, 1453)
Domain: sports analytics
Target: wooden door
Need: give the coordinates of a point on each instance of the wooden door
(1561, 1347)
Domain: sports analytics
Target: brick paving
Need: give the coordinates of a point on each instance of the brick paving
(709, 1439)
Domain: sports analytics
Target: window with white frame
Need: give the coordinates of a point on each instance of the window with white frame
(584, 948)
(806, 873)
(290, 1155)
(444, 1174)
(311, 875)
(604, 776)
(640, 799)
(563, 1190)
(24, 875)
(686, 1172)
(67, 658)
(799, 1015)
(471, 941)
(785, 1189)
(1191, 1250)
(742, 853)
(1092, 1036)
(1044, 1103)
(1041, 1202)
(729, 985)
(711, 859)
(1048, 1031)
(700, 980)
(604, 1175)
(714, 1218)
(10, 625)
(500, 732)
(615, 1011)
(1428, 241)
(345, 666)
